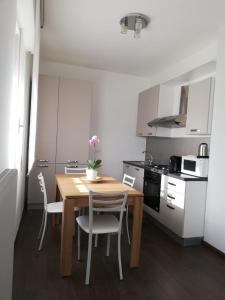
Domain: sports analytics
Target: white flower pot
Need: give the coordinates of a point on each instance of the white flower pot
(91, 174)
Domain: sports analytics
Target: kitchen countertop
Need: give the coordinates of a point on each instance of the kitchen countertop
(181, 176)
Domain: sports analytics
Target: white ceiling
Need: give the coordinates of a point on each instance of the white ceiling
(87, 33)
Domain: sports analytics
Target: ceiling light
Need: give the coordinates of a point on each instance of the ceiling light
(135, 22)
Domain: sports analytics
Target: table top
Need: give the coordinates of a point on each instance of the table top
(75, 186)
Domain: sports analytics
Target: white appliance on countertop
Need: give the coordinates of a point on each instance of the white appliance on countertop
(195, 165)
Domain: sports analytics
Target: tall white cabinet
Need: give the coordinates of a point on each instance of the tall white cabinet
(63, 126)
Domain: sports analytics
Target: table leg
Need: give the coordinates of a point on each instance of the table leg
(136, 232)
(67, 238)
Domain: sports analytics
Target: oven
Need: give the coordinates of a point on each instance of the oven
(152, 183)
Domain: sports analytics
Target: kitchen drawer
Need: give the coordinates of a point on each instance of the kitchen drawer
(176, 199)
(176, 185)
(172, 217)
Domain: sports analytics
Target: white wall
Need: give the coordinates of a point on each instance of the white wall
(215, 208)
(7, 55)
(114, 112)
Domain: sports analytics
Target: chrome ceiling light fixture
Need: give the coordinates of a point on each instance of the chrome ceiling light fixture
(135, 22)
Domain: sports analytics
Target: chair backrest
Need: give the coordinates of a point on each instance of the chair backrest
(43, 188)
(107, 202)
(128, 180)
(74, 170)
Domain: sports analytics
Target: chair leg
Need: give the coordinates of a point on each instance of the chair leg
(42, 223)
(88, 259)
(127, 225)
(108, 244)
(43, 232)
(119, 255)
(78, 243)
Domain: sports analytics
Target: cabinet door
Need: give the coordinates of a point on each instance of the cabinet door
(138, 174)
(199, 108)
(147, 111)
(127, 169)
(35, 196)
(73, 121)
(47, 118)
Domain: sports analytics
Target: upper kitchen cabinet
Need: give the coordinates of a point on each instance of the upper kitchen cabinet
(73, 121)
(200, 104)
(47, 118)
(147, 111)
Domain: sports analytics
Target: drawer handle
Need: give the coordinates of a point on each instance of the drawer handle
(43, 166)
(137, 169)
(43, 160)
(150, 133)
(171, 207)
(71, 166)
(195, 130)
(171, 197)
(72, 161)
(173, 184)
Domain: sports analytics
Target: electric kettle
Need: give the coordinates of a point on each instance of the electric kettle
(203, 150)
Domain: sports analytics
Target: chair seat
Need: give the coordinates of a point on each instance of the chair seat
(101, 224)
(57, 207)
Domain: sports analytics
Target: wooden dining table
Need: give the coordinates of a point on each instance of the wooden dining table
(74, 191)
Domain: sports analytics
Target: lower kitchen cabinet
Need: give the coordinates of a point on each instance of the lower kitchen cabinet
(182, 206)
(35, 196)
(137, 173)
(172, 217)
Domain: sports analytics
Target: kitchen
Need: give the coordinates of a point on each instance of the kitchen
(174, 174)
(155, 99)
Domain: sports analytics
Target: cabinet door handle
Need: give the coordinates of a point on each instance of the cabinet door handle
(72, 161)
(171, 207)
(137, 169)
(195, 130)
(149, 133)
(43, 160)
(173, 184)
(171, 197)
(43, 166)
(71, 166)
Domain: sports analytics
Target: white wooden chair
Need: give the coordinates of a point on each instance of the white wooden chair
(49, 208)
(128, 180)
(74, 170)
(102, 223)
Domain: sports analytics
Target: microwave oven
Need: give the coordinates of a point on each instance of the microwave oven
(195, 165)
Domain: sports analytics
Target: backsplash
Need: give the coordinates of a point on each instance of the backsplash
(163, 148)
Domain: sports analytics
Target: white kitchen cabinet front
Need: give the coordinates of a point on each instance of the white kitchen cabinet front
(137, 173)
(199, 111)
(73, 121)
(147, 111)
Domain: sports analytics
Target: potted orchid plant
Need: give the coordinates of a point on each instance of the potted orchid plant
(93, 164)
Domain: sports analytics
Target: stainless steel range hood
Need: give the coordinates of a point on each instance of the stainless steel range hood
(176, 121)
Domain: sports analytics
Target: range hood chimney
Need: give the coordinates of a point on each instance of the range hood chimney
(176, 121)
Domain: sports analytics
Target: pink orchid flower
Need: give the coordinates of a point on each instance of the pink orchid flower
(94, 140)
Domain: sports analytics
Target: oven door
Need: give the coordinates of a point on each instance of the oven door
(152, 182)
